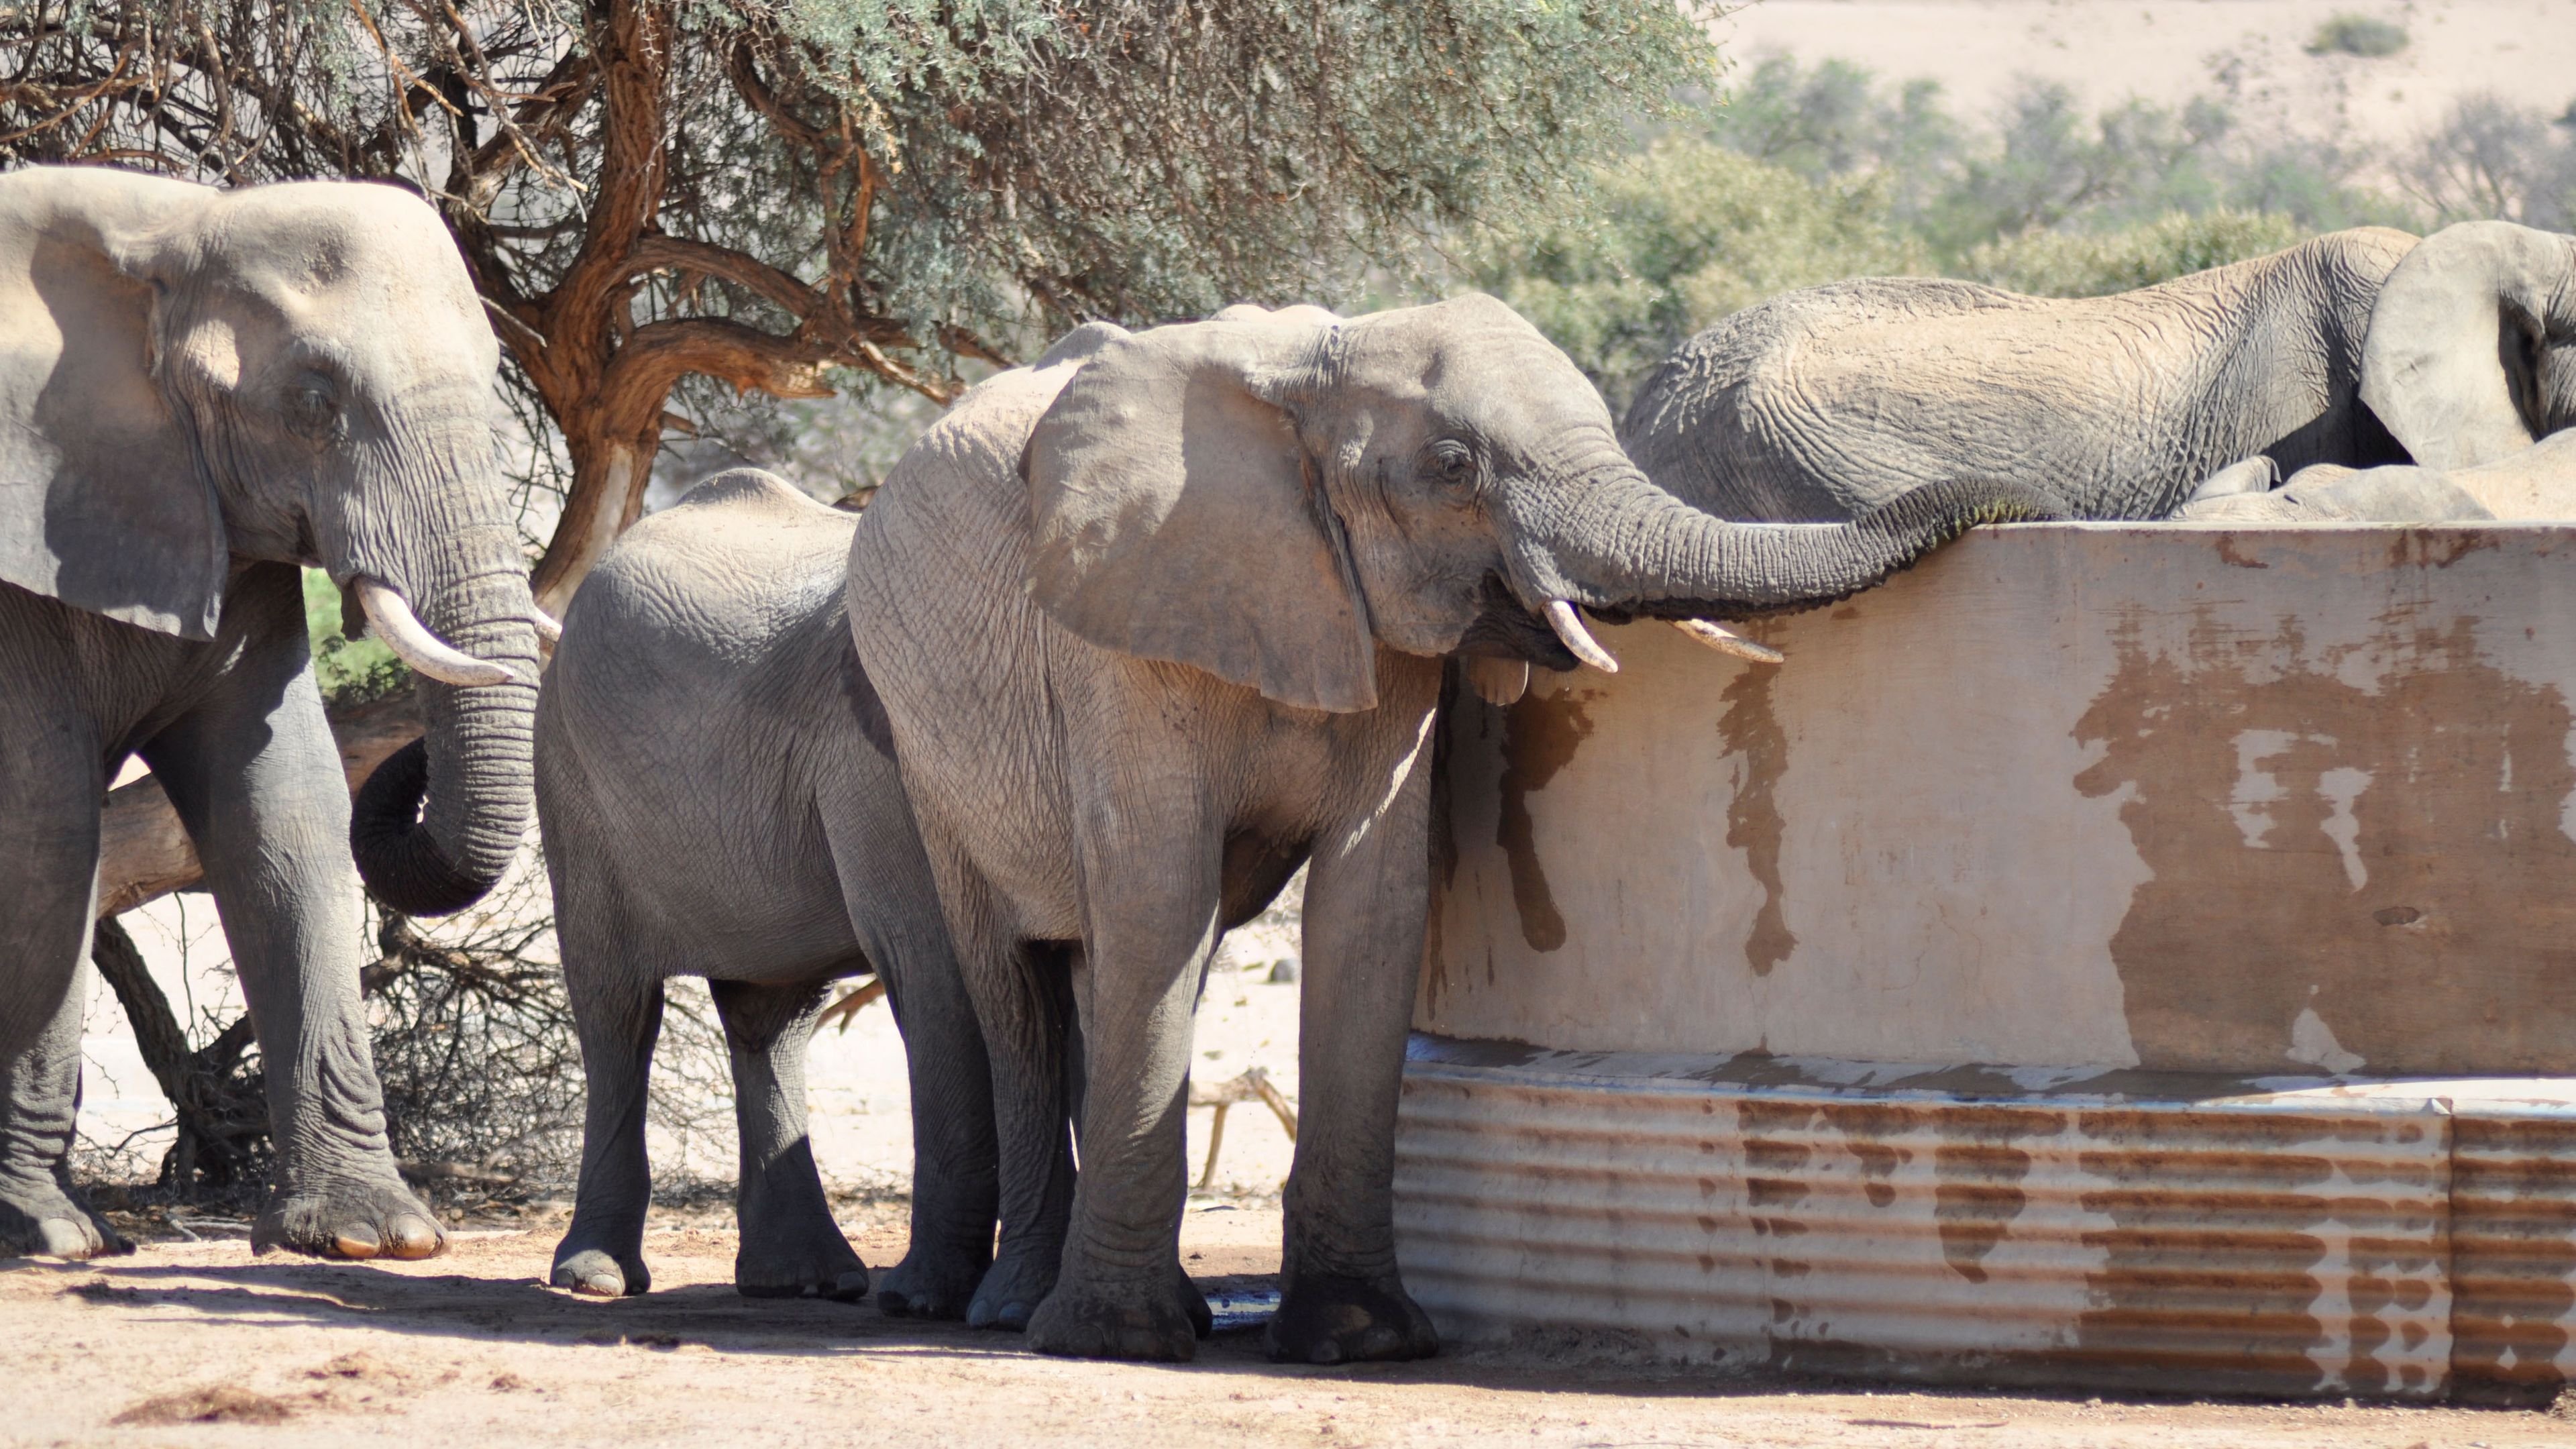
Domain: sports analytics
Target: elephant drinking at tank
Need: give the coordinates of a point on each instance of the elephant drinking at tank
(201, 390)
(1160, 619)
(1823, 402)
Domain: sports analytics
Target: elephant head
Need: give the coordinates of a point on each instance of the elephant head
(2471, 352)
(299, 374)
(1271, 497)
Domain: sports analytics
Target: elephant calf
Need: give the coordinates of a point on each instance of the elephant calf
(718, 800)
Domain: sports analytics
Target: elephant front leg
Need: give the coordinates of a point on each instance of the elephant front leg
(1151, 925)
(50, 784)
(258, 783)
(1367, 898)
(790, 1247)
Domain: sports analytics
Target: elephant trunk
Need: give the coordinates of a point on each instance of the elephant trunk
(439, 572)
(1619, 543)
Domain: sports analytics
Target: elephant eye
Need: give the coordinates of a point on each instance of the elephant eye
(311, 411)
(1450, 464)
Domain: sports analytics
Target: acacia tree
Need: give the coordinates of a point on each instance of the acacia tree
(782, 195)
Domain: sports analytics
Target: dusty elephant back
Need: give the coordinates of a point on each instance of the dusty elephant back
(1827, 401)
(703, 686)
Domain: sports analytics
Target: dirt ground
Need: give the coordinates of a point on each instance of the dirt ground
(201, 1344)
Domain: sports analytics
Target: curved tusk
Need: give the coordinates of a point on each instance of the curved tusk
(389, 618)
(1571, 633)
(549, 628)
(1726, 641)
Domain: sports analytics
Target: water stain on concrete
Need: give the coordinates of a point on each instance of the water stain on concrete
(1751, 731)
(2347, 846)
(1540, 735)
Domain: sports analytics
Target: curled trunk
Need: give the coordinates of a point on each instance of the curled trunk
(439, 822)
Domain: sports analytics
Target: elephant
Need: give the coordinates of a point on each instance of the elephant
(1166, 614)
(718, 799)
(1822, 402)
(201, 390)
(2470, 360)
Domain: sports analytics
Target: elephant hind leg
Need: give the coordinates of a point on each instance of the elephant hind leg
(790, 1247)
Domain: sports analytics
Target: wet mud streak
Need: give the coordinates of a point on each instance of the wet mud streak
(1977, 1176)
(1540, 736)
(1751, 730)
(1775, 1187)
(2318, 848)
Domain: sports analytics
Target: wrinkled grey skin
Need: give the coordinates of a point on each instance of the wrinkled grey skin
(718, 800)
(1165, 615)
(2471, 361)
(200, 390)
(1823, 402)
(2327, 493)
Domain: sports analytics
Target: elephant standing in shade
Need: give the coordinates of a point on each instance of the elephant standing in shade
(201, 390)
(1827, 401)
(1166, 615)
(719, 800)
(2471, 363)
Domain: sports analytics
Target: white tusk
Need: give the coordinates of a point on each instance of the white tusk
(1726, 641)
(1571, 633)
(549, 628)
(389, 618)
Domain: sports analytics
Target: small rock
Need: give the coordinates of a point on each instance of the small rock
(1283, 972)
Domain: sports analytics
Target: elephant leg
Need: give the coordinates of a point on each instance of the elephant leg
(615, 989)
(790, 1247)
(1367, 901)
(258, 782)
(1022, 1022)
(1151, 869)
(50, 785)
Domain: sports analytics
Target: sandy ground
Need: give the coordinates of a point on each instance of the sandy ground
(201, 1344)
(2168, 52)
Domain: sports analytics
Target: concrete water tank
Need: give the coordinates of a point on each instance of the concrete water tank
(2107, 954)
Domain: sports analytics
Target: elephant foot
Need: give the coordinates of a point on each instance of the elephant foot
(931, 1283)
(1194, 1304)
(812, 1261)
(48, 1222)
(599, 1273)
(1019, 1280)
(1136, 1320)
(1332, 1319)
(348, 1219)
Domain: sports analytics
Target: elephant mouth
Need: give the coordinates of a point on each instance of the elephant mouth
(1504, 628)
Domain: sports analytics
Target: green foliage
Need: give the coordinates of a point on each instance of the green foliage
(2345, 33)
(1693, 232)
(350, 671)
(2081, 264)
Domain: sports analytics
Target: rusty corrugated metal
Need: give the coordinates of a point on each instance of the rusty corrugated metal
(2513, 1248)
(2120, 1229)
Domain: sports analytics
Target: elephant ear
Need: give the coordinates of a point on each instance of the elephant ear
(102, 504)
(1177, 515)
(2469, 343)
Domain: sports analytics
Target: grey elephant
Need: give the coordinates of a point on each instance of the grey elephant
(718, 799)
(1823, 402)
(199, 391)
(2470, 360)
(1166, 615)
